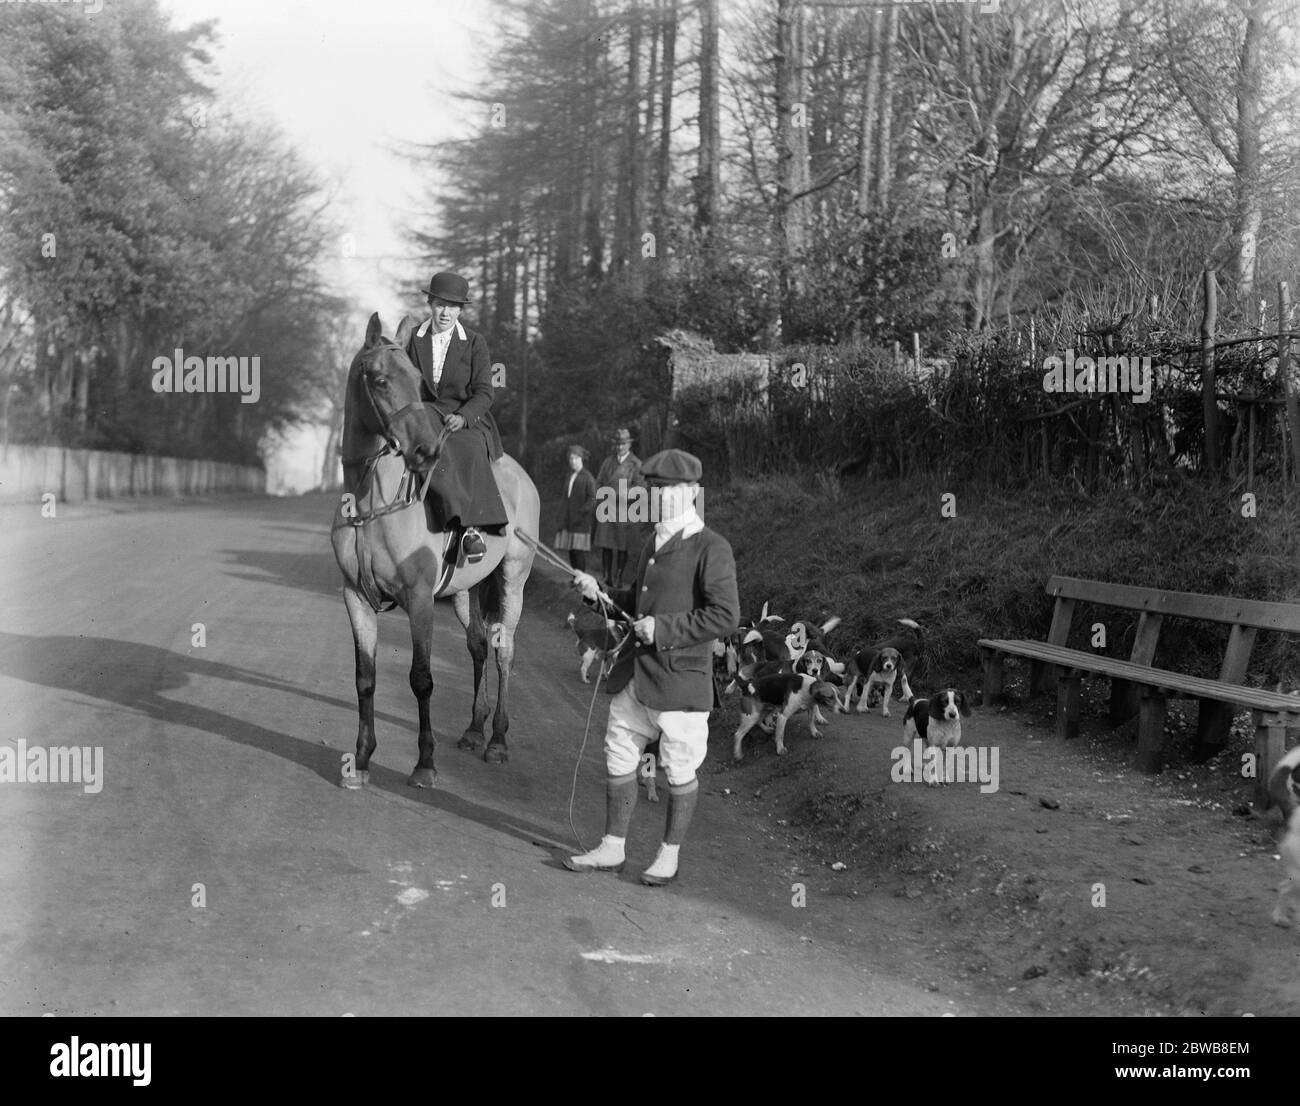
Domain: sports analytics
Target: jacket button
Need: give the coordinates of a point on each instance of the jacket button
(645, 588)
(651, 561)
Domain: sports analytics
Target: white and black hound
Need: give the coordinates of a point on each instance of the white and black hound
(936, 721)
(881, 666)
(783, 694)
(594, 643)
(1284, 787)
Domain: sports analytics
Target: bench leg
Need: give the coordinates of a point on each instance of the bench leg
(1152, 707)
(993, 675)
(1213, 722)
(1067, 705)
(1123, 702)
(1270, 747)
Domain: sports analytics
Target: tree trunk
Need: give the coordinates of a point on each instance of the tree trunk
(634, 158)
(979, 310)
(708, 177)
(870, 110)
(792, 154)
(663, 167)
(884, 134)
(1249, 203)
(595, 241)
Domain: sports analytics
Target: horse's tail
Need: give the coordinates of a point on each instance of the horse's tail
(489, 597)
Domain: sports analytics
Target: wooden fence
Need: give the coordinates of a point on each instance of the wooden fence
(1002, 403)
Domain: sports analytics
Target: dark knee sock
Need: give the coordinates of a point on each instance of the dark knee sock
(606, 560)
(622, 563)
(681, 809)
(620, 801)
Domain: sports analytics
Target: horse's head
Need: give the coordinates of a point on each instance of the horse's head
(383, 399)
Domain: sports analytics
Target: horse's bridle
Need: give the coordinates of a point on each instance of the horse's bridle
(406, 490)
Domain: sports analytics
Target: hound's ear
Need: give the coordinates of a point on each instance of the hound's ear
(374, 330)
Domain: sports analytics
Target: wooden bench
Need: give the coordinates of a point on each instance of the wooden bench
(1136, 682)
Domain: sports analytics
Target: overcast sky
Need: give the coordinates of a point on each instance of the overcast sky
(347, 81)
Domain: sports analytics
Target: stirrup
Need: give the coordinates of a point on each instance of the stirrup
(472, 546)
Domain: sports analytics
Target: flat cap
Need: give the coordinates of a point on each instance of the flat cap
(581, 450)
(673, 466)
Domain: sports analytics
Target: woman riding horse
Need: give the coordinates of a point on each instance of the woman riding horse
(456, 369)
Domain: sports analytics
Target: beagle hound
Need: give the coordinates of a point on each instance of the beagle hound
(936, 722)
(880, 666)
(1284, 787)
(783, 695)
(594, 643)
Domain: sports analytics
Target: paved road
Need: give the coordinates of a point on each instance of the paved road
(220, 769)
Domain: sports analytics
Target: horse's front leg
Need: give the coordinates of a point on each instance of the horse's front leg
(364, 642)
(503, 638)
(421, 613)
(467, 610)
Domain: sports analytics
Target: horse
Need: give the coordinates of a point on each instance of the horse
(390, 557)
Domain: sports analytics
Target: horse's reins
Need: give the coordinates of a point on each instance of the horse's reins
(611, 609)
(406, 497)
(406, 492)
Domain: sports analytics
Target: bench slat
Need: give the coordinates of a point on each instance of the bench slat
(1284, 617)
(1150, 677)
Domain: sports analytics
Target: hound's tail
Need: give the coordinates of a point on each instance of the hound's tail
(923, 660)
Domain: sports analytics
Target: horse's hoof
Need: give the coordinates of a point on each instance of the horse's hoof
(422, 777)
(496, 752)
(356, 780)
(470, 740)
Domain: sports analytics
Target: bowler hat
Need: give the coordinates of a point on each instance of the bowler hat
(450, 287)
(580, 450)
(673, 466)
(622, 435)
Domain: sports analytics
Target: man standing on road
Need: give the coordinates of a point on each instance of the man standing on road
(683, 596)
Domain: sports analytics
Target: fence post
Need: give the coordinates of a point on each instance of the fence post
(1209, 405)
(1284, 371)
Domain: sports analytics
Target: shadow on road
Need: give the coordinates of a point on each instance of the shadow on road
(136, 677)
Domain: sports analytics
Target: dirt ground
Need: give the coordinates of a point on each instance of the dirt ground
(1079, 887)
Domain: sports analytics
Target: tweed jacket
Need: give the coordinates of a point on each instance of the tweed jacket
(689, 586)
(465, 387)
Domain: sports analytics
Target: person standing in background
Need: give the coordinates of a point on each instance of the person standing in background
(620, 472)
(579, 509)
